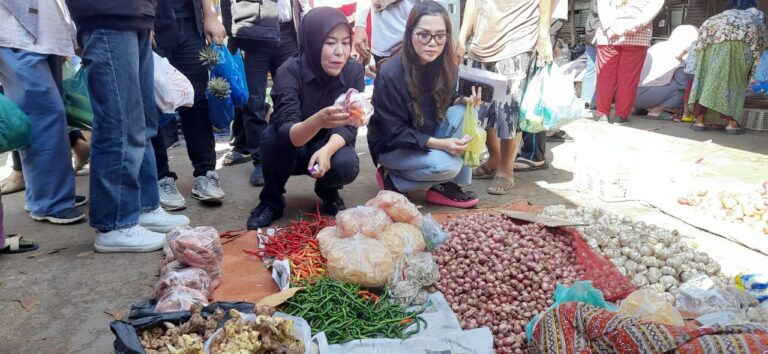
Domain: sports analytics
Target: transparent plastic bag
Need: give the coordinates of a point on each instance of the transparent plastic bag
(326, 236)
(193, 278)
(357, 105)
(549, 102)
(701, 295)
(180, 298)
(472, 129)
(433, 233)
(401, 239)
(397, 206)
(411, 276)
(368, 221)
(198, 247)
(651, 306)
(358, 260)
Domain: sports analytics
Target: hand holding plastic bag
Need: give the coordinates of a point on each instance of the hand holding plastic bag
(358, 107)
(549, 102)
(475, 133)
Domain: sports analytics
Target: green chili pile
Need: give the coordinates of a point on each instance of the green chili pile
(345, 312)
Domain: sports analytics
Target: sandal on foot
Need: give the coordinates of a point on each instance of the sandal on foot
(10, 185)
(17, 244)
(699, 128)
(233, 157)
(525, 165)
(501, 185)
(559, 137)
(452, 195)
(483, 172)
(734, 131)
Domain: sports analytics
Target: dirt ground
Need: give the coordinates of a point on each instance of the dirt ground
(59, 299)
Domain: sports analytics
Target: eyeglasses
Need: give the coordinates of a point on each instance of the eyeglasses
(426, 37)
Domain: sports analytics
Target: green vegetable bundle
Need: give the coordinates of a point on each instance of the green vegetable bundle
(345, 312)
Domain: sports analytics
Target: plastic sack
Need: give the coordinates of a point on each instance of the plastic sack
(580, 291)
(397, 206)
(172, 88)
(759, 80)
(549, 102)
(221, 110)
(412, 274)
(471, 128)
(433, 233)
(231, 68)
(357, 105)
(701, 295)
(755, 284)
(364, 220)
(77, 100)
(190, 277)
(402, 239)
(180, 298)
(198, 247)
(358, 260)
(15, 128)
(649, 305)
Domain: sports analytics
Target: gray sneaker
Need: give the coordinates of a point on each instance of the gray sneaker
(207, 188)
(170, 197)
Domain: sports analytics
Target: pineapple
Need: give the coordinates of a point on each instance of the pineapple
(219, 87)
(208, 56)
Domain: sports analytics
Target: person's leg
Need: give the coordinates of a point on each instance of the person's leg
(280, 159)
(161, 158)
(532, 153)
(452, 127)
(150, 199)
(237, 138)
(630, 67)
(607, 67)
(29, 82)
(345, 166)
(286, 48)
(81, 149)
(589, 80)
(15, 181)
(256, 56)
(16, 160)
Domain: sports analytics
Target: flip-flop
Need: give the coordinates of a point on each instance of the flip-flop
(501, 185)
(17, 244)
(452, 195)
(482, 172)
(559, 137)
(699, 128)
(734, 131)
(530, 165)
(232, 158)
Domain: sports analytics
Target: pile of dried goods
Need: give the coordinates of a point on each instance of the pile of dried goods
(499, 274)
(750, 209)
(265, 334)
(652, 257)
(187, 337)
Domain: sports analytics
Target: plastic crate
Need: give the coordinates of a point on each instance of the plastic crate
(755, 119)
(609, 182)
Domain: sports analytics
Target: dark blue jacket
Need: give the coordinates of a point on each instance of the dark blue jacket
(113, 14)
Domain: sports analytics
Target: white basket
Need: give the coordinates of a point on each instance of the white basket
(601, 178)
(755, 119)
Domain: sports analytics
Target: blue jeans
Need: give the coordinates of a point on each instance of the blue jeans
(121, 84)
(412, 170)
(589, 81)
(47, 164)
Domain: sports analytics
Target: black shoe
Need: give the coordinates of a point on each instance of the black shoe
(622, 121)
(257, 176)
(331, 207)
(262, 216)
(66, 216)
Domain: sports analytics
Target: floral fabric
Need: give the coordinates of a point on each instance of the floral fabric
(721, 78)
(734, 25)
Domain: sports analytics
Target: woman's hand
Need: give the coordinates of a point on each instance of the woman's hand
(477, 96)
(321, 158)
(362, 47)
(331, 117)
(453, 146)
(214, 31)
(543, 50)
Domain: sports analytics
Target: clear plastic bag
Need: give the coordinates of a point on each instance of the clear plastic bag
(193, 278)
(364, 220)
(180, 298)
(198, 247)
(172, 88)
(412, 274)
(433, 233)
(326, 236)
(472, 129)
(549, 102)
(402, 239)
(397, 206)
(651, 306)
(357, 105)
(358, 260)
(701, 295)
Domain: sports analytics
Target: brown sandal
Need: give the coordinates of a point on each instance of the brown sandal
(501, 185)
(483, 172)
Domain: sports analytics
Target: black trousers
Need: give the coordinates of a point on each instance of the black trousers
(182, 49)
(281, 160)
(534, 146)
(260, 58)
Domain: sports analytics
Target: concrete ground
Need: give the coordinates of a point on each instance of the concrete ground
(58, 299)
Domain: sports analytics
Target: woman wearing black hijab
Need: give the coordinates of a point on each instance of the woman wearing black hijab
(306, 128)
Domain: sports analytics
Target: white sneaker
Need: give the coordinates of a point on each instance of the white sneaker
(132, 239)
(170, 197)
(159, 220)
(207, 188)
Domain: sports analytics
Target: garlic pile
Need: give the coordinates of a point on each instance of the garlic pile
(750, 209)
(652, 257)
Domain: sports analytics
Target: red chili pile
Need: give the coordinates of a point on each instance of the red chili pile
(498, 274)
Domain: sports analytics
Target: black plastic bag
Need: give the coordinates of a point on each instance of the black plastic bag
(143, 316)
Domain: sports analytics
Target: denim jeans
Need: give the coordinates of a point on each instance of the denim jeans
(28, 81)
(589, 81)
(412, 170)
(121, 84)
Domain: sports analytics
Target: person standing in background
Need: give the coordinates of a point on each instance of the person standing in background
(117, 52)
(182, 28)
(505, 35)
(33, 38)
(590, 73)
(388, 18)
(622, 41)
(266, 32)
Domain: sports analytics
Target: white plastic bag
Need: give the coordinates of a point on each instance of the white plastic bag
(549, 102)
(172, 88)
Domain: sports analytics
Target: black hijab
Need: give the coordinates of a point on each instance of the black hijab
(316, 25)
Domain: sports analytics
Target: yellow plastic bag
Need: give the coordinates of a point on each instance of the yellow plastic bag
(471, 127)
(650, 306)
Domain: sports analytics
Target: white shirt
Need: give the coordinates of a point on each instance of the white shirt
(284, 11)
(55, 30)
(560, 11)
(387, 26)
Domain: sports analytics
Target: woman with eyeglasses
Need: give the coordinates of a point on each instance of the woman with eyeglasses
(415, 135)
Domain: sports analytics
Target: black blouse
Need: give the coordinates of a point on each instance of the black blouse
(298, 94)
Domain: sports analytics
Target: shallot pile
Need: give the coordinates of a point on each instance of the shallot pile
(498, 274)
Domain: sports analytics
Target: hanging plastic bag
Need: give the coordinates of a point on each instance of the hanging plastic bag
(240, 92)
(221, 109)
(15, 128)
(549, 102)
(474, 132)
(172, 88)
(232, 69)
(77, 101)
(651, 306)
